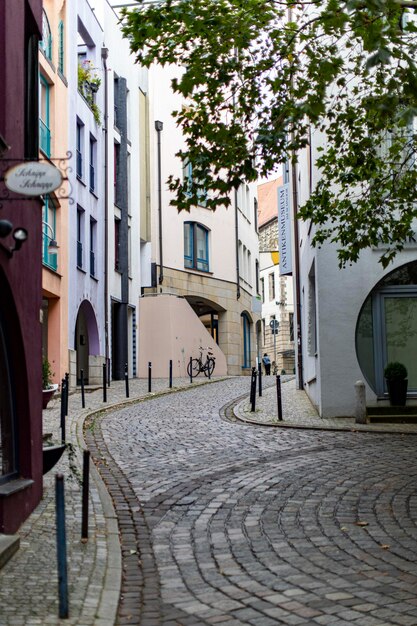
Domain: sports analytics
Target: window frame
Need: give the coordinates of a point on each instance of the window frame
(46, 47)
(61, 47)
(193, 261)
(44, 128)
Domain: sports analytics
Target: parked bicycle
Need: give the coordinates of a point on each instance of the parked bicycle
(195, 366)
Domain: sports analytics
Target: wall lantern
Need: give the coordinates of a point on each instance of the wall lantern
(52, 246)
(19, 235)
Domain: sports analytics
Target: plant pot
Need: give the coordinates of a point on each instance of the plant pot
(51, 456)
(47, 395)
(397, 390)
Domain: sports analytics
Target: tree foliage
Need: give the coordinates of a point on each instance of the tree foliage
(260, 76)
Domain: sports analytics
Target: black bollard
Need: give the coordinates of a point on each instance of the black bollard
(66, 393)
(170, 374)
(191, 369)
(279, 397)
(253, 389)
(61, 543)
(104, 383)
(127, 381)
(260, 379)
(149, 377)
(86, 486)
(63, 401)
(82, 389)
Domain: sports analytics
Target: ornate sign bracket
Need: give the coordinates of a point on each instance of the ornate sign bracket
(62, 192)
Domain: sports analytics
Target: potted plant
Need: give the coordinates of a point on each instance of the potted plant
(48, 387)
(396, 376)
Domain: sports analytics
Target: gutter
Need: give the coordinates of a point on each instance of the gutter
(159, 127)
(104, 56)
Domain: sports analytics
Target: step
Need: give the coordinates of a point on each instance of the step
(409, 409)
(9, 544)
(393, 418)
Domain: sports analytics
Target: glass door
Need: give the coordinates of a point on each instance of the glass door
(396, 327)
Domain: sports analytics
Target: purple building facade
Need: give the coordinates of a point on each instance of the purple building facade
(20, 270)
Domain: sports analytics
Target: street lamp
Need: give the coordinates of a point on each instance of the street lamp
(19, 235)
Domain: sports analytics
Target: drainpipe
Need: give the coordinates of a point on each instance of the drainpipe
(237, 248)
(104, 56)
(158, 127)
(300, 381)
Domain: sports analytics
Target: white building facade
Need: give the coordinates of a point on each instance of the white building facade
(352, 321)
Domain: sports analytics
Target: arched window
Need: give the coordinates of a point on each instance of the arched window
(46, 43)
(196, 246)
(246, 329)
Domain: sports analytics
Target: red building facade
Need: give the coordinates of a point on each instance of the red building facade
(20, 270)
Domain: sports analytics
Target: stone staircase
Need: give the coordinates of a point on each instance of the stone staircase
(387, 414)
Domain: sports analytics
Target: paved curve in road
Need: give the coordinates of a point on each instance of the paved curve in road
(225, 523)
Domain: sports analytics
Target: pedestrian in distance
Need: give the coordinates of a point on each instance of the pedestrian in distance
(267, 364)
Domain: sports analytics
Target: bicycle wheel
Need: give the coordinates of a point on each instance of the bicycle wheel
(209, 367)
(194, 369)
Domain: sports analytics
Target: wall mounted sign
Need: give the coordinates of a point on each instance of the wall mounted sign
(33, 178)
(284, 230)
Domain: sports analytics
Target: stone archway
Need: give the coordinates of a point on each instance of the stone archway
(86, 343)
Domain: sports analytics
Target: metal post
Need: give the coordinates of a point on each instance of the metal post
(260, 378)
(149, 376)
(63, 410)
(61, 546)
(86, 483)
(104, 383)
(66, 393)
(279, 397)
(170, 373)
(275, 349)
(127, 381)
(82, 389)
(191, 369)
(253, 390)
(108, 372)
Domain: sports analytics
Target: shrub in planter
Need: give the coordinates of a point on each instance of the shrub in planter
(396, 376)
(48, 388)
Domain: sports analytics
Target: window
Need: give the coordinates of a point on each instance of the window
(80, 237)
(263, 330)
(291, 321)
(263, 289)
(93, 156)
(79, 148)
(46, 43)
(196, 255)
(192, 186)
(116, 100)
(255, 215)
(61, 47)
(271, 283)
(257, 275)
(48, 233)
(93, 230)
(116, 244)
(44, 106)
(312, 317)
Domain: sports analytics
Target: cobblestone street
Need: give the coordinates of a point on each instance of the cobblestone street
(253, 525)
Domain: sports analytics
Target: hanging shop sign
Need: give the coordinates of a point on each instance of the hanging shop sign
(33, 178)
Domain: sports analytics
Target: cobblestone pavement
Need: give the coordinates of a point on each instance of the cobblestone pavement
(222, 522)
(28, 582)
(252, 525)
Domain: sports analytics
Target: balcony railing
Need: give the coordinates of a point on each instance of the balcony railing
(79, 164)
(92, 178)
(79, 254)
(44, 138)
(50, 259)
(92, 264)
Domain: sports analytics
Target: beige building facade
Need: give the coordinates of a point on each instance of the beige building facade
(208, 258)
